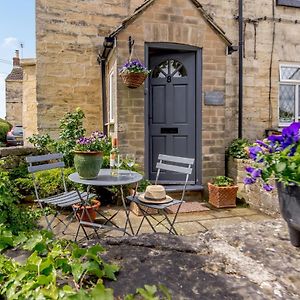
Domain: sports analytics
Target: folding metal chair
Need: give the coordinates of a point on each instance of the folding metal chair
(60, 201)
(175, 164)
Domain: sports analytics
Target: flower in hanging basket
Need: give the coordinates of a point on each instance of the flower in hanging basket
(133, 73)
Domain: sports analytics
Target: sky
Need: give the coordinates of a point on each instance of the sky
(17, 26)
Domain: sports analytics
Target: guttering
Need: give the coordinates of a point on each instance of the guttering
(108, 45)
(241, 57)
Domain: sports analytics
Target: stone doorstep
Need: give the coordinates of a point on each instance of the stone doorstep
(187, 207)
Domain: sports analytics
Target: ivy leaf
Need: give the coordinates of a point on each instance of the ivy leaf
(280, 167)
(50, 292)
(45, 280)
(19, 239)
(77, 271)
(148, 293)
(96, 249)
(62, 263)
(165, 291)
(100, 292)
(78, 252)
(33, 241)
(93, 268)
(110, 271)
(33, 262)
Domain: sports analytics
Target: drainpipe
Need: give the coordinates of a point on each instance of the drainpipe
(104, 103)
(108, 45)
(241, 56)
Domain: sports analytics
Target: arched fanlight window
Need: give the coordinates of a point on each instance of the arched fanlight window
(170, 67)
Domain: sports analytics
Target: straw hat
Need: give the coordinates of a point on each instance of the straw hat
(155, 194)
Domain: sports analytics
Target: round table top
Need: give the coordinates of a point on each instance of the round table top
(105, 179)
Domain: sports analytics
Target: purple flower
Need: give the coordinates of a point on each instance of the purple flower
(254, 151)
(249, 180)
(256, 173)
(262, 144)
(268, 187)
(249, 169)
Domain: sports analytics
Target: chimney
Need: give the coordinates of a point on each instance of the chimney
(16, 59)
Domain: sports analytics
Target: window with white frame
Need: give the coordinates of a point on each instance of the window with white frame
(112, 94)
(289, 94)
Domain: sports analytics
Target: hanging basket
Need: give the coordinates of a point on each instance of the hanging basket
(133, 80)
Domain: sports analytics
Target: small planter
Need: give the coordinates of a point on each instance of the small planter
(91, 209)
(88, 164)
(133, 80)
(222, 197)
(289, 201)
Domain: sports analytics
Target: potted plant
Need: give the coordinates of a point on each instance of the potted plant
(133, 73)
(278, 157)
(222, 192)
(91, 210)
(88, 154)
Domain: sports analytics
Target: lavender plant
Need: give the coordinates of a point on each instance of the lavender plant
(278, 157)
(96, 142)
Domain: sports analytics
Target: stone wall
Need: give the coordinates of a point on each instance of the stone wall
(260, 112)
(29, 98)
(14, 101)
(13, 157)
(254, 194)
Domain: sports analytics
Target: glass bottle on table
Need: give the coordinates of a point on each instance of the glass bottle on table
(113, 156)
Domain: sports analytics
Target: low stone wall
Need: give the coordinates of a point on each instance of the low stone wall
(12, 157)
(254, 195)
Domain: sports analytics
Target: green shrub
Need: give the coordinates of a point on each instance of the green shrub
(222, 181)
(4, 128)
(71, 129)
(12, 215)
(49, 182)
(237, 147)
(42, 142)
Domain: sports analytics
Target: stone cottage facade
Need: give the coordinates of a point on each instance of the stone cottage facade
(192, 110)
(14, 92)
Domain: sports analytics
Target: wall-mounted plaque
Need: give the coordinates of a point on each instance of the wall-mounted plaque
(214, 98)
(292, 3)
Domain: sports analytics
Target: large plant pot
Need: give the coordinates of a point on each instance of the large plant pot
(88, 164)
(91, 211)
(222, 197)
(289, 202)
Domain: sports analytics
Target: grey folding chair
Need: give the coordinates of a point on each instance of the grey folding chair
(60, 201)
(181, 165)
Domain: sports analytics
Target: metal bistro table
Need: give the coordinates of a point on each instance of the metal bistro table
(104, 178)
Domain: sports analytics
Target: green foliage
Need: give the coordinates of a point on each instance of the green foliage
(45, 272)
(4, 128)
(42, 142)
(282, 165)
(15, 217)
(237, 147)
(71, 129)
(49, 182)
(222, 181)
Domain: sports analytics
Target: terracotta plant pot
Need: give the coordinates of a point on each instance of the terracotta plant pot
(222, 197)
(91, 210)
(88, 164)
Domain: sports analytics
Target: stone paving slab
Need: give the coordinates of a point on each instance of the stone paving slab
(254, 260)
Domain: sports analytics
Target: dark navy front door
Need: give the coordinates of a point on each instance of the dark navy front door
(172, 110)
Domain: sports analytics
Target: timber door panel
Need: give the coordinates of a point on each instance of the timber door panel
(172, 110)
